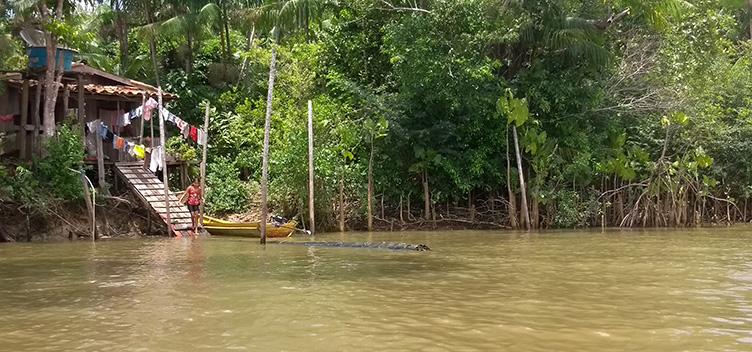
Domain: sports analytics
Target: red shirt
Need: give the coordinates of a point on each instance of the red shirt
(194, 196)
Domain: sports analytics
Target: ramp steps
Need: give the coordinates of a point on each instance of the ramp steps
(151, 192)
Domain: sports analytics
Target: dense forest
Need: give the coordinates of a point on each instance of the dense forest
(458, 113)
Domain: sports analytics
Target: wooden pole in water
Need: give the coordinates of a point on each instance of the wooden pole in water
(267, 128)
(203, 163)
(310, 168)
(163, 150)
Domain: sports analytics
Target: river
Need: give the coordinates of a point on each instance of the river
(665, 290)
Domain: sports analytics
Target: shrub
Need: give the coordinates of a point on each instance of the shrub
(226, 192)
(65, 153)
(567, 212)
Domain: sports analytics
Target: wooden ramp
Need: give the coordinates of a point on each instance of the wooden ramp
(151, 192)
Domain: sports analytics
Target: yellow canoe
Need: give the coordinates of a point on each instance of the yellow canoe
(219, 227)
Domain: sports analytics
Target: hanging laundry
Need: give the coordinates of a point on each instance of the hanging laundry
(156, 162)
(148, 107)
(93, 126)
(131, 148)
(194, 133)
(114, 142)
(102, 131)
(139, 151)
(109, 134)
(6, 118)
(120, 143)
(126, 147)
(134, 114)
(115, 123)
(186, 131)
(180, 123)
(201, 137)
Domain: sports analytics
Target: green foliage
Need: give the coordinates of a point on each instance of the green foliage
(20, 185)
(568, 212)
(178, 147)
(226, 193)
(56, 170)
(597, 105)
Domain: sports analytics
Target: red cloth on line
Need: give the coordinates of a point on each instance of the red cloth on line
(194, 134)
(7, 118)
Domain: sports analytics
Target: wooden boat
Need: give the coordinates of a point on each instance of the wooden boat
(218, 227)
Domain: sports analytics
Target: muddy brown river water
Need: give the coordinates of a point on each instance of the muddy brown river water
(665, 290)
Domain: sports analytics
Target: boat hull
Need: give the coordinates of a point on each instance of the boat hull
(218, 227)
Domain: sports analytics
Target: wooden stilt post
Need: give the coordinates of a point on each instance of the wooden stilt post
(81, 115)
(35, 118)
(100, 163)
(310, 168)
(143, 123)
(66, 101)
(203, 163)
(22, 132)
(163, 150)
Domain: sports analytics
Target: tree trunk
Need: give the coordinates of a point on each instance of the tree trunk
(189, 60)
(370, 189)
(534, 215)
(512, 197)
(267, 129)
(53, 73)
(342, 203)
(153, 49)
(246, 60)
(227, 33)
(525, 214)
(122, 29)
(222, 38)
(426, 196)
(471, 207)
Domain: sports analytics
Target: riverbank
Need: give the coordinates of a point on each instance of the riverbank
(115, 217)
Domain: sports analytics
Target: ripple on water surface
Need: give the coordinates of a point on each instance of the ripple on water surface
(476, 291)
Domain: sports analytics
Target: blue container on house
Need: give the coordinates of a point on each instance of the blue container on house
(38, 57)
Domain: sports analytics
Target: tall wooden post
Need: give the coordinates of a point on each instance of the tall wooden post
(81, 115)
(143, 123)
(66, 99)
(100, 162)
(267, 129)
(163, 150)
(310, 168)
(35, 118)
(203, 163)
(22, 132)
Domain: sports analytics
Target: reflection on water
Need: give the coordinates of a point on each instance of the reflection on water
(685, 290)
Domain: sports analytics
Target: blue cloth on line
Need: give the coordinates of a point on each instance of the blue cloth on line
(102, 131)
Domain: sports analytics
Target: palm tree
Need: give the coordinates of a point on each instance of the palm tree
(297, 14)
(190, 19)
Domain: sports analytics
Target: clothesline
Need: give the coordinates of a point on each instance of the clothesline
(130, 148)
(196, 134)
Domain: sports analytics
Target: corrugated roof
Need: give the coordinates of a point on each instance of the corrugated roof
(121, 91)
(124, 91)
